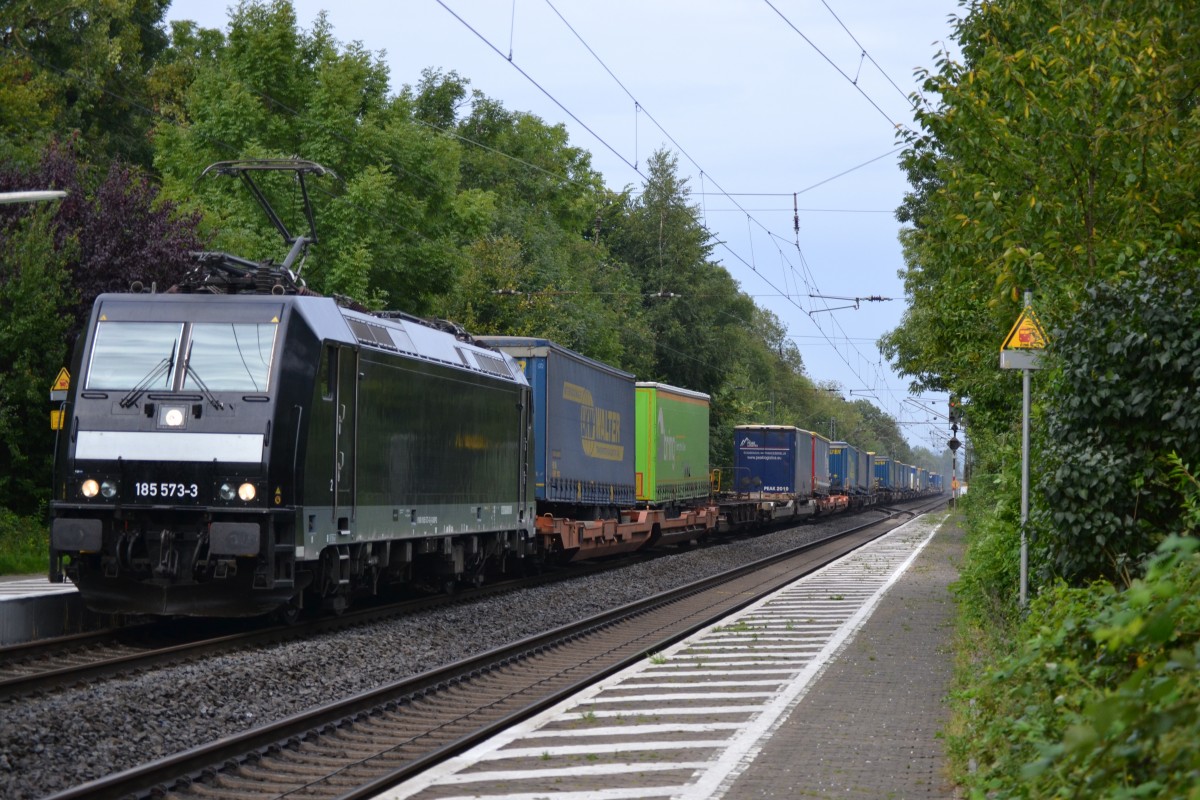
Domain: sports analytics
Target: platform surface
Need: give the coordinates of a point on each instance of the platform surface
(831, 687)
(868, 728)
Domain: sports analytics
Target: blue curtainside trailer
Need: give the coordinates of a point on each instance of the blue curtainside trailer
(843, 468)
(773, 460)
(583, 417)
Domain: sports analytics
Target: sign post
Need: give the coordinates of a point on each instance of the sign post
(1022, 349)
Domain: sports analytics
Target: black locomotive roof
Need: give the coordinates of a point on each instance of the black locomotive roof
(329, 322)
(525, 346)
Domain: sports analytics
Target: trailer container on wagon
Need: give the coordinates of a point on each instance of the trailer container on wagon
(583, 424)
(671, 455)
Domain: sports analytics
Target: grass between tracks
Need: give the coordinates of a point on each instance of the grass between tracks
(1094, 693)
(24, 544)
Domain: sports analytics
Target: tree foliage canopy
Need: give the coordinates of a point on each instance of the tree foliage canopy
(78, 66)
(1059, 155)
(1061, 151)
(445, 203)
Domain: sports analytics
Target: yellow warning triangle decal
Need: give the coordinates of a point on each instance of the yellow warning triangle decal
(63, 382)
(1026, 334)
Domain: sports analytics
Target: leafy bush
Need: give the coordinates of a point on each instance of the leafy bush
(987, 586)
(1102, 699)
(24, 544)
(1127, 393)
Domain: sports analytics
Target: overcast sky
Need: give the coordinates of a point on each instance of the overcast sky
(761, 100)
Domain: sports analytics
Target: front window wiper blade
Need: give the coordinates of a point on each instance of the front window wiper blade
(163, 367)
(208, 395)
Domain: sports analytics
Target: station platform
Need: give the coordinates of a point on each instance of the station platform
(32, 608)
(832, 687)
(868, 728)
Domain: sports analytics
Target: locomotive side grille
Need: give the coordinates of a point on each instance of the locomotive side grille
(379, 336)
(493, 365)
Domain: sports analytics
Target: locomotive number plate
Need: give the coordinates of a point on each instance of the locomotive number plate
(166, 490)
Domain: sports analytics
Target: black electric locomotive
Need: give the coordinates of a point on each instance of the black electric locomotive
(222, 454)
(228, 451)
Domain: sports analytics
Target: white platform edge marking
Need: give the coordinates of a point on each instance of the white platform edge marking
(33, 587)
(741, 754)
(743, 748)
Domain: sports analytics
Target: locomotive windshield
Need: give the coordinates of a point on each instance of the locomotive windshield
(224, 356)
(126, 353)
(229, 356)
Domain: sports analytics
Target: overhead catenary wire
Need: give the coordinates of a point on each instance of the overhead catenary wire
(639, 108)
(840, 71)
(865, 54)
(803, 275)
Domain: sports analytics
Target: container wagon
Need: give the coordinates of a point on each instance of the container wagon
(671, 456)
(843, 467)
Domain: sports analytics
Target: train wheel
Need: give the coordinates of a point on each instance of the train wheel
(290, 613)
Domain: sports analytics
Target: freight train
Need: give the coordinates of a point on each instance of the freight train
(240, 446)
(238, 455)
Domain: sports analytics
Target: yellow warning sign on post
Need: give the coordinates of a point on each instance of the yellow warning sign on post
(58, 390)
(1024, 344)
(1026, 333)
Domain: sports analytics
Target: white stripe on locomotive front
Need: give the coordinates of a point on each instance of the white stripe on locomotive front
(173, 446)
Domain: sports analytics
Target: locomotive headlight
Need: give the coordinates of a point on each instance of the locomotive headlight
(247, 492)
(89, 488)
(172, 417)
(108, 489)
(226, 491)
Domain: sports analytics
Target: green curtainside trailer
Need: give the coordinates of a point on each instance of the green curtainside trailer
(672, 444)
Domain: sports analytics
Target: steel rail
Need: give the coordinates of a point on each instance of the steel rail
(175, 772)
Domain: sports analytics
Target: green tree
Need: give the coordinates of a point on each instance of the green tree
(1062, 150)
(1059, 155)
(392, 229)
(80, 65)
(540, 270)
(35, 295)
(689, 301)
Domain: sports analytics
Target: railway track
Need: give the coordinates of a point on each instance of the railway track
(42, 666)
(357, 747)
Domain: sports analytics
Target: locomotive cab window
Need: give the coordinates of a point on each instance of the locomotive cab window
(165, 356)
(126, 354)
(230, 356)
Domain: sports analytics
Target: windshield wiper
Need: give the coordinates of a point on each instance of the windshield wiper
(163, 367)
(208, 395)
